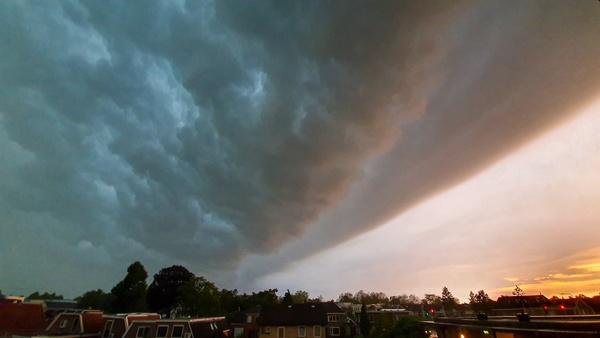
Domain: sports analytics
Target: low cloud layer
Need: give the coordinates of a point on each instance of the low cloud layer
(201, 133)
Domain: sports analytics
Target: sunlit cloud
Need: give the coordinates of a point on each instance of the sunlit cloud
(579, 274)
(531, 219)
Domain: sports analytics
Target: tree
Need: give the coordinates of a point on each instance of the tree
(231, 301)
(165, 288)
(406, 327)
(287, 298)
(365, 324)
(480, 301)
(95, 299)
(198, 298)
(45, 296)
(518, 291)
(129, 295)
(300, 297)
(449, 302)
(346, 297)
(316, 299)
(265, 298)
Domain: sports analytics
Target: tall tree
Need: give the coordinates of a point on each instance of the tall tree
(480, 301)
(449, 302)
(287, 298)
(129, 295)
(346, 297)
(165, 288)
(365, 324)
(198, 298)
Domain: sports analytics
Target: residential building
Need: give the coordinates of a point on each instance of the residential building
(214, 327)
(79, 323)
(309, 320)
(21, 319)
(116, 325)
(243, 323)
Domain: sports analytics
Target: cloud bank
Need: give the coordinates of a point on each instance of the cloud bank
(201, 133)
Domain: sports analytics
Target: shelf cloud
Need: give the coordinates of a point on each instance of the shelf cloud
(205, 133)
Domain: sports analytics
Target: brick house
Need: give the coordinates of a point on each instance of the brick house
(309, 320)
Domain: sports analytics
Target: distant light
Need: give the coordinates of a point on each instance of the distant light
(486, 332)
(462, 335)
(563, 307)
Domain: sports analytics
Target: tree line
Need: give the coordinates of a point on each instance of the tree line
(177, 291)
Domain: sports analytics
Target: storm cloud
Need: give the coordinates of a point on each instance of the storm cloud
(203, 132)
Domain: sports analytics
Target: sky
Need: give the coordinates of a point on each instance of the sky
(390, 146)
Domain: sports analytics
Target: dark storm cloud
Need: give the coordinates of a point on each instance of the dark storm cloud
(193, 132)
(200, 132)
(511, 71)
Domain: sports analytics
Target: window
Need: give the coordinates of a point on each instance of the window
(142, 332)
(63, 323)
(281, 332)
(249, 319)
(334, 331)
(301, 331)
(266, 330)
(75, 326)
(333, 318)
(238, 332)
(107, 328)
(177, 331)
(161, 331)
(317, 331)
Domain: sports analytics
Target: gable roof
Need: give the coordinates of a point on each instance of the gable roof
(518, 301)
(296, 314)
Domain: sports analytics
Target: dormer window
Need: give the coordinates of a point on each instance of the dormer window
(177, 331)
(107, 328)
(161, 331)
(333, 318)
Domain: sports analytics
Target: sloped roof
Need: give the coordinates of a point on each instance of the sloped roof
(296, 314)
(517, 301)
(208, 328)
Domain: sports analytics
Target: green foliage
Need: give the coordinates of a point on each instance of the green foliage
(198, 298)
(164, 292)
(45, 296)
(300, 297)
(362, 297)
(129, 295)
(405, 327)
(96, 299)
(480, 302)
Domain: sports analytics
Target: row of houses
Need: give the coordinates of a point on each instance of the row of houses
(309, 320)
(31, 319)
